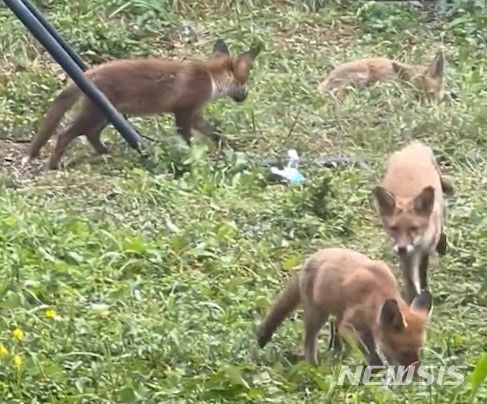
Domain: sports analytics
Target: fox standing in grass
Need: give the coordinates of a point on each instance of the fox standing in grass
(410, 203)
(364, 297)
(365, 72)
(149, 86)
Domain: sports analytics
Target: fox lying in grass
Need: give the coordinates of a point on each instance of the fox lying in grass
(364, 72)
(410, 203)
(363, 296)
(149, 86)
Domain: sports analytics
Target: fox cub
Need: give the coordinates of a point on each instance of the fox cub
(364, 72)
(410, 203)
(364, 298)
(149, 86)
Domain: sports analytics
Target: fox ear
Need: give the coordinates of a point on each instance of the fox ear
(423, 302)
(220, 48)
(385, 200)
(436, 68)
(252, 53)
(391, 317)
(423, 203)
(401, 71)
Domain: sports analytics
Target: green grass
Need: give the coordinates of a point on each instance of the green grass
(158, 283)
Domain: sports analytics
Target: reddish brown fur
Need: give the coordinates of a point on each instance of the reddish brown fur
(150, 86)
(367, 71)
(364, 297)
(410, 203)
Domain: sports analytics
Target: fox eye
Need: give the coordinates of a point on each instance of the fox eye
(393, 228)
(414, 229)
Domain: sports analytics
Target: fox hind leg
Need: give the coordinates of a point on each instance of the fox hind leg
(95, 141)
(313, 321)
(87, 121)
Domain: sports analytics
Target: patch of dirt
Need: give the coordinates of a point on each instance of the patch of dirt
(13, 164)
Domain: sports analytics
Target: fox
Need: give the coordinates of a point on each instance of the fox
(146, 87)
(429, 80)
(410, 203)
(363, 296)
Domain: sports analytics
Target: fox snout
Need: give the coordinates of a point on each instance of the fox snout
(403, 248)
(239, 94)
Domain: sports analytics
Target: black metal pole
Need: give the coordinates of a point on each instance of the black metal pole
(37, 14)
(75, 73)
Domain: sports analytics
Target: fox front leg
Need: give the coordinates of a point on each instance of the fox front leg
(408, 267)
(335, 344)
(369, 349)
(441, 246)
(207, 129)
(183, 126)
(364, 338)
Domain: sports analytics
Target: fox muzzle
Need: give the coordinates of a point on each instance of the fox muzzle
(403, 249)
(239, 94)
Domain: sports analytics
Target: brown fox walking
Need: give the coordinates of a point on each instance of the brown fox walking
(365, 72)
(149, 86)
(410, 203)
(364, 297)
